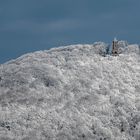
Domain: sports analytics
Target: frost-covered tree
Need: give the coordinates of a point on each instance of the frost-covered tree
(71, 93)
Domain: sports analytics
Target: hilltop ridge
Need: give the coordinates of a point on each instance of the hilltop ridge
(74, 92)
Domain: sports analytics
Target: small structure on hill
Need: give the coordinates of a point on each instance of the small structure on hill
(115, 47)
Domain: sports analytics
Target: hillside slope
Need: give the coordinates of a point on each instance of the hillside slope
(71, 93)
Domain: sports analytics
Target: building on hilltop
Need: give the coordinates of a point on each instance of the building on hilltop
(115, 47)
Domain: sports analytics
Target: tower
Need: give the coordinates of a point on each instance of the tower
(115, 47)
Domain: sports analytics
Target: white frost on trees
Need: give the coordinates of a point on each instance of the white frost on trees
(71, 92)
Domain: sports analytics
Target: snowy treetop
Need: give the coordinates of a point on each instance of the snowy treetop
(77, 92)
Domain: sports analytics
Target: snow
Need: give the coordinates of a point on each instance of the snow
(71, 93)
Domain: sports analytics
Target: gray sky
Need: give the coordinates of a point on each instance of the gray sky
(30, 25)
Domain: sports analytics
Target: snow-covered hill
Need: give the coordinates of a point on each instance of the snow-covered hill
(71, 93)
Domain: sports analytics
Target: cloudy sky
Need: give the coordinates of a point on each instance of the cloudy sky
(30, 25)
